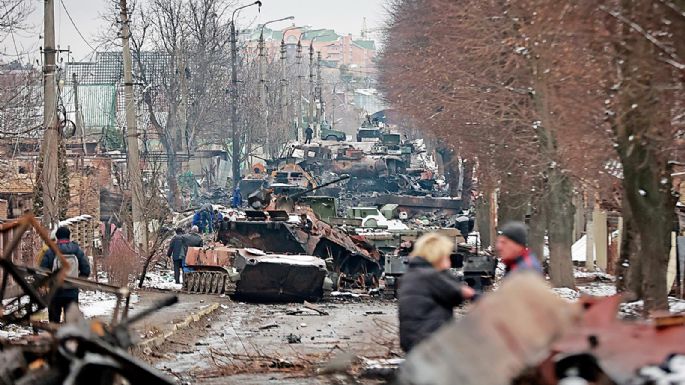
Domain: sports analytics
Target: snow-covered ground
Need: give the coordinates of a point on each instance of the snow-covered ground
(99, 304)
(603, 285)
(162, 279)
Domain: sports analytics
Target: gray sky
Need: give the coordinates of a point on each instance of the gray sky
(345, 16)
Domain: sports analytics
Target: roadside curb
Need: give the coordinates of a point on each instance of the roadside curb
(145, 346)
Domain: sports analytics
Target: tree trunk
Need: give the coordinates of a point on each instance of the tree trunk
(513, 202)
(537, 229)
(172, 180)
(560, 213)
(643, 126)
(483, 219)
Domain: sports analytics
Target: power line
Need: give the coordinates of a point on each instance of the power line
(74, 24)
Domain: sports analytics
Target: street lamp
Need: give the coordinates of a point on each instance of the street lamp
(235, 145)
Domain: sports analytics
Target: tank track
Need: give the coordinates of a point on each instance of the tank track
(208, 282)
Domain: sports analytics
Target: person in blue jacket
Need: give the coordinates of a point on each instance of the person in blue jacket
(237, 199)
(65, 295)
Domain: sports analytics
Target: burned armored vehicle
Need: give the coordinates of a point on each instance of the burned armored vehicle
(254, 275)
(350, 261)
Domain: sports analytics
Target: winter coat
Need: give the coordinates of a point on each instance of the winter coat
(427, 298)
(193, 240)
(67, 247)
(526, 262)
(237, 199)
(177, 248)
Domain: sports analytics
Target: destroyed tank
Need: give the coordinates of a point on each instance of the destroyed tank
(251, 274)
(350, 260)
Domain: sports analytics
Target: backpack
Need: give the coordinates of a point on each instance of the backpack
(72, 270)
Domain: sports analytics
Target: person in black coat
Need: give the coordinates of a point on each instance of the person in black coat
(177, 251)
(66, 295)
(427, 292)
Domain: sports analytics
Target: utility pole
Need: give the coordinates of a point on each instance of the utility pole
(51, 136)
(262, 95)
(77, 111)
(284, 83)
(133, 156)
(235, 134)
(333, 103)
(310, 115)
(319, 92)
(235, 145)
(299, 134)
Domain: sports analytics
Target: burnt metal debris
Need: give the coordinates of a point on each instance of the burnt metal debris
(306, 203)
(79, 352)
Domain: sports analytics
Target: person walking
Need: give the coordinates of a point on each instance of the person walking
(177, 252)
(427, 292)
(308, 134)
(78, 267)
(512, 248)
(193, 239)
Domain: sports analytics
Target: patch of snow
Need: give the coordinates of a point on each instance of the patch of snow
(670, 372)
(566, 293)
(162, 279)
(599, 289)
(12, 332)
(593, 274)
(98, 304)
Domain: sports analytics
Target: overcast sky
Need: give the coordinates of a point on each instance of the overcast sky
(345, 16)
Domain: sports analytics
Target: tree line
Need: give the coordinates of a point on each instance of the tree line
(553, 100)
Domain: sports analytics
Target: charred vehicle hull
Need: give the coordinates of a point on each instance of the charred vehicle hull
(254, 275)
(280, 278)
(348, 261)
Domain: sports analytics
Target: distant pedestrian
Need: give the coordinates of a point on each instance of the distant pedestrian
(217, 218)
(78, 267)
(427, 292)
(237, 199)
(512, 248)
(306, 224)
(193, 239)
(177, 252)
(204, 219)
(308, 134)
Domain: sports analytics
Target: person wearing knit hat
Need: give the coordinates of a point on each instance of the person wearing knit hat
(512, 248)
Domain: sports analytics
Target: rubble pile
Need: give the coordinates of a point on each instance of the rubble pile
(78, 351)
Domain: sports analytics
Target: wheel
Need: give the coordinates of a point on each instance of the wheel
(202, 284)
(331, 137)
(215, 283)
(196, 282)
(221, 285)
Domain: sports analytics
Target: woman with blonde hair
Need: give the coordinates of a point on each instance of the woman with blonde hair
(428, 293)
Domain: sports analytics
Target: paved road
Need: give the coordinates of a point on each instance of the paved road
(248, 343)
